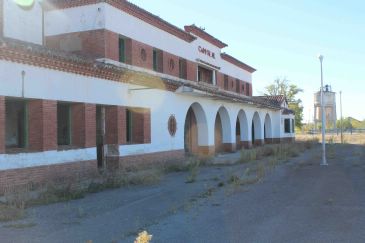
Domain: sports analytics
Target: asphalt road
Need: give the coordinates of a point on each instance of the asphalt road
(298, 201)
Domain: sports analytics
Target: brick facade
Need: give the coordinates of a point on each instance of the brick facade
(146, 160)
(42, 117)
(137, 58)
(115, 123)
(2, 124)
(171, 64)
(32, 178)
(83, 125)
(191, 70)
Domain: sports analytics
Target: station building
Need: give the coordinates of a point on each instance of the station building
(93, 85)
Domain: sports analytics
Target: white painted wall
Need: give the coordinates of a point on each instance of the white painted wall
(44, 83)
(102, 15)
(20, 24)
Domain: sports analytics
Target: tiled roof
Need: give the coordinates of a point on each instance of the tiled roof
(204, 35)
(237, 62)
(40, 56)
(273, 99)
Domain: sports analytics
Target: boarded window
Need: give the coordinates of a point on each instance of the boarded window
(226, 82)
(16, 124)
(205, 75)
(182, 68)
(287, 125)
(137, 121)
(63, 124)
(248, 89)
(238, 82)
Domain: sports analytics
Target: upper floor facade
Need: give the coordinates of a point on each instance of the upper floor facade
(120, 32)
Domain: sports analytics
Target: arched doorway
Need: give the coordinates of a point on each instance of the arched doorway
(256, 130)
(268, 129)
(222, 131)
(195, 129)
(242, 136)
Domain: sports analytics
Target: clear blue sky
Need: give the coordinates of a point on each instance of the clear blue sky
(282, 38)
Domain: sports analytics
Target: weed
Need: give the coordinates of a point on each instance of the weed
(194, 165)
(9, 213)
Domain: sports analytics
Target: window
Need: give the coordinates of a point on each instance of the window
(238, 85)
(138, 122)
(243, 88)
(287, 125)
(182, 68)
(122, 49)
(226, 82)
(157, 61)
(63, 124)
(292, 126)
(248, 89)
(16, 124)
(205, 75)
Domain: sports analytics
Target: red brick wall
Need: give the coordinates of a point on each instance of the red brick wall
(137, 57)
(171, 64)
(147, 126)
(83, 125)
(191, 70)
(2, 124)
(42, 115)
(90, 43)
(115, 125)
(35, 177)
(220, 80)
(112, 45)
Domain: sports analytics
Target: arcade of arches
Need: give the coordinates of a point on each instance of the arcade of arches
(247, 131)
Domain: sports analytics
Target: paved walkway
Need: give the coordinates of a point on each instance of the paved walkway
(299, 201)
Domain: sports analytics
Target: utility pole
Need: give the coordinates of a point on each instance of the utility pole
(341, 124)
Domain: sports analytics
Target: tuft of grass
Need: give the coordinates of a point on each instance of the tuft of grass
(10, 213)
(194, 165)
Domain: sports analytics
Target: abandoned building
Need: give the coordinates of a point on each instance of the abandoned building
(92, 85)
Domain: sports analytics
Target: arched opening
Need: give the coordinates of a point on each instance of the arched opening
(195, 129)
(268, 129)
(256, 130)
(242, 135)
(222, 131)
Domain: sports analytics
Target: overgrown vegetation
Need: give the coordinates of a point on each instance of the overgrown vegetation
(51, 193)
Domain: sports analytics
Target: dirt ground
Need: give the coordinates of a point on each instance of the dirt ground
(293, 201)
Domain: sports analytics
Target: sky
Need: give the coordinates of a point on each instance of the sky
(282, 38)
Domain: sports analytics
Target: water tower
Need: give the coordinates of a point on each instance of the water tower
(329, 104)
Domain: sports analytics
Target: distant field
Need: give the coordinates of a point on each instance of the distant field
(355, 138)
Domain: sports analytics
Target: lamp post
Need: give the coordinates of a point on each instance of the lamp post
(324, 162)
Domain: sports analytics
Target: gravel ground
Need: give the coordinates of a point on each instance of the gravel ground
(298, 201)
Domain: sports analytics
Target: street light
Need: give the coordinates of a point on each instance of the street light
(324, 162)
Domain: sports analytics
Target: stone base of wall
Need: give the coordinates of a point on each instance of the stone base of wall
(229, 147)
(33, 178)
(145, 160)
(246, 144)
(283, 140)
(206, 150)
(258, 142)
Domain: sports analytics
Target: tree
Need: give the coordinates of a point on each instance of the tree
(282, 86)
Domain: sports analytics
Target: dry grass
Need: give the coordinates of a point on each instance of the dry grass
(355, 138)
